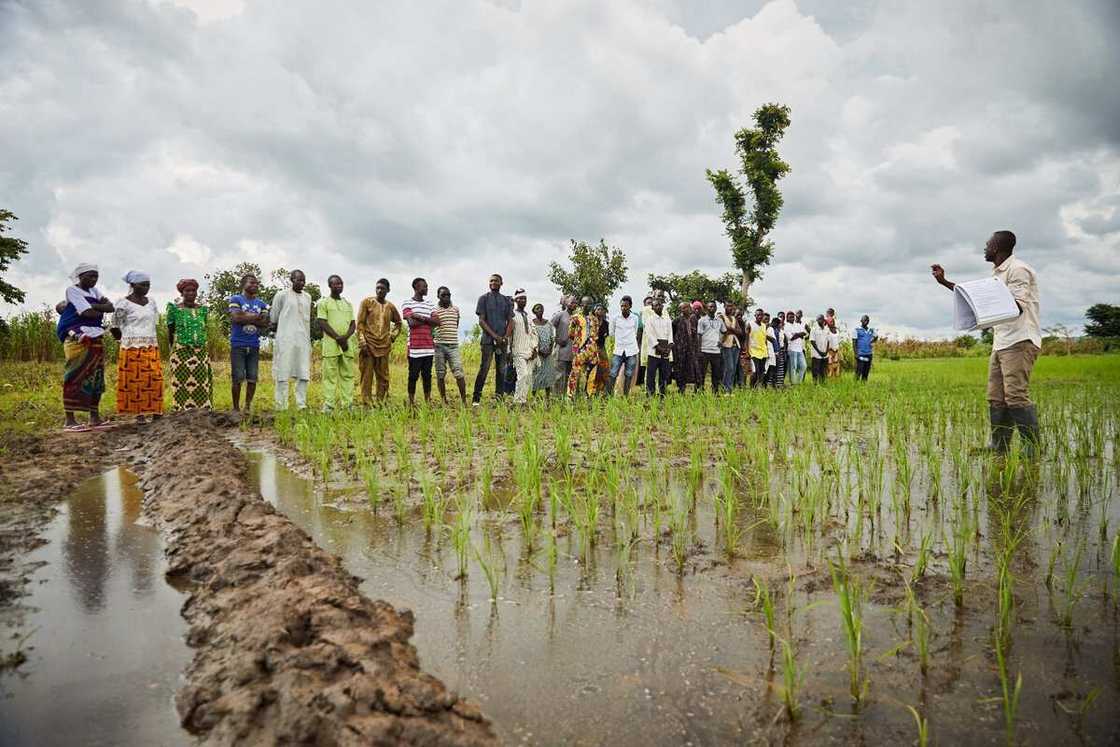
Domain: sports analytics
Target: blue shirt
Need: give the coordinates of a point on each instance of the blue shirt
(245, 335)
(862, 339)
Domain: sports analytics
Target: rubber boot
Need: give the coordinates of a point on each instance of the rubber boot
(1026, 421)
(1002, 428)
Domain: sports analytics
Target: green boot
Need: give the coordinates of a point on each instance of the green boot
(1026, 421)
(1002, 428)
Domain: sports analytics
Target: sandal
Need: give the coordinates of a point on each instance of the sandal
(104, 425)
(76, 428)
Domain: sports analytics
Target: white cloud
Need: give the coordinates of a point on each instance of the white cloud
(452, 139)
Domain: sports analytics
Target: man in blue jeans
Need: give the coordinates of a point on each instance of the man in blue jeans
(862, 340)
(625, 357)
(795, 352)
(248, 316)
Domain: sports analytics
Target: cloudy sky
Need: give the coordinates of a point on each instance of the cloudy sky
(451, 139)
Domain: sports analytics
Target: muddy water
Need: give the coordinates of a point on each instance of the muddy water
(106, 634)
(619, 648)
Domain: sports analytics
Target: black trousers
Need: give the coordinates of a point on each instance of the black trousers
(657, 369)
(712, 362)
(490, 352)
(420, 368)
(863, 367)
(820, 369)
(758, 372)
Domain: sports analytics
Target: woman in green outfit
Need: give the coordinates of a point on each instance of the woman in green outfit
(191, 377)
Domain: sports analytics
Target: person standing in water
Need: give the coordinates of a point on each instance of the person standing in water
(1015, 347)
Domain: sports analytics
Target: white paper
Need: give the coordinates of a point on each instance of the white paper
(983, 303)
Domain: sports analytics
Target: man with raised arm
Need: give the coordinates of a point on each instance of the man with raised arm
(1015, 347)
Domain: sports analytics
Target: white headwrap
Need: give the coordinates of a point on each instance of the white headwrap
(520, 293)
(82, 269)
(135, 276)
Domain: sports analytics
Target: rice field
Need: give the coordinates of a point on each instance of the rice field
(849, 562)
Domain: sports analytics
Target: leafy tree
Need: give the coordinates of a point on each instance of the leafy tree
(965, 341)
(1104, 320)
(696, 286)
(11, 249)
(762, 168)
(987, 336)
(597, 271)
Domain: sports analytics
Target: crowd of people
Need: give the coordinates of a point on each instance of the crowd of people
(562, 355)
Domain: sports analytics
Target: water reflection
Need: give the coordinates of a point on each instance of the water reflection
(106, 632)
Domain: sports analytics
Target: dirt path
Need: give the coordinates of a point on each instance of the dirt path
(286, 648)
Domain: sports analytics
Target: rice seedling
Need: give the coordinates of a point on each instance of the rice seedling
(1009, 693)
(922, 724)
(461, 537)
(763, 599)
(958, 554)
(849, 594)
(1072, 588)
(1116, 566)
(678, 526)
(791, 681)
(488, 564)
(921, 562)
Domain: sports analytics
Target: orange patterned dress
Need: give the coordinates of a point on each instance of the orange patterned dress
(139, 371)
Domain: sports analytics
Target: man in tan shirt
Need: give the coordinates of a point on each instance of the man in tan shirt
(1015, 347)
(379, 324)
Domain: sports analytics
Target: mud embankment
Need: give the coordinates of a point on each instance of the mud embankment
(285, 647)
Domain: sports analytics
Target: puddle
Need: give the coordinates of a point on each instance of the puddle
(619, 648)
(107, 635)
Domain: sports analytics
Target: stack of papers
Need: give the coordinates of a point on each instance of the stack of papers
(983, 303)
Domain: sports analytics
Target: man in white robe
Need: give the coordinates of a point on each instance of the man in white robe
(291, 352)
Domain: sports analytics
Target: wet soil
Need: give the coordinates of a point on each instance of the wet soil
(285, 648)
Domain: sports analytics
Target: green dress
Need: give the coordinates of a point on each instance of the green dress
(192, 380)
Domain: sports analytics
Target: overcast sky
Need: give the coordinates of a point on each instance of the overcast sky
(452, 139)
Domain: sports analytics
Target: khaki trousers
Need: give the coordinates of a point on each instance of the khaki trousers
(370, 367)
(1009, 375)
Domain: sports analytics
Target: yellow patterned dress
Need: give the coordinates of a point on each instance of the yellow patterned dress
(139, 372)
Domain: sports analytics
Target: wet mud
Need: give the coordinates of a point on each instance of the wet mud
(283, 646)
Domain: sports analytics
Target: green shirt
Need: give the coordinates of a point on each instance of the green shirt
(338, 315)
(190, 324)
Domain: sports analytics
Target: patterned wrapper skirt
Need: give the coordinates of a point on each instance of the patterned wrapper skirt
(139, 381)
(192, 380)
(83, 379)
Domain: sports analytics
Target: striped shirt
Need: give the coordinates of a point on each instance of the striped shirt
(447, 333)
(420, 343)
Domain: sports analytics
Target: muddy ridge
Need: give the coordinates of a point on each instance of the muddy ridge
(286, 648)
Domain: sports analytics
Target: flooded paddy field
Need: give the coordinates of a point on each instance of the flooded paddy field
(836, 564)
(811, 565)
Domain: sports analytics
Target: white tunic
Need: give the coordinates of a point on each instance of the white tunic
(137, 323)
(291, 352)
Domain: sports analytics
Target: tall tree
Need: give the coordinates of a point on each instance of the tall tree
(1104, 320)
(11, 249)
(597, 271)
(761, 167)
(696, 286)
